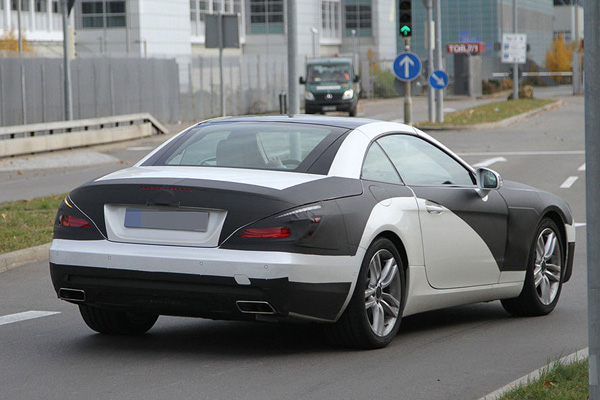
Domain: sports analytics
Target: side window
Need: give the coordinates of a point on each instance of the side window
(421, 163)
(377, 166)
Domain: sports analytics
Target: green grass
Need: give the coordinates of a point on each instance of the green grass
(26, 224)
(492, 112)
(561, 382)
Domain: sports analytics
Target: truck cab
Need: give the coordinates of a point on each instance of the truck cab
(331, 85)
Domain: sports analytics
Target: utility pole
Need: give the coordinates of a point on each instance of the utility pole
(515, 65)
(430, 34)
(592, 175)
(439, 106)
(292, 41)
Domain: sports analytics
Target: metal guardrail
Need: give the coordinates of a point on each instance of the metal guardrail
(51, 136)
(505, 74)
(80, 125)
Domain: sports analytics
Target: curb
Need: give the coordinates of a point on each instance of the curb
(497, 124)
(20, 257)
(535, 375)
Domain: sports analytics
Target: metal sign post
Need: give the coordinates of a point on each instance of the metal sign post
(407, 67)
(227, 36)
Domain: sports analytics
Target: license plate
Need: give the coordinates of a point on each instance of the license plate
(193, 221)
(329, 108)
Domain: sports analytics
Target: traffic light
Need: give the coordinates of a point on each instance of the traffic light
(405, 18)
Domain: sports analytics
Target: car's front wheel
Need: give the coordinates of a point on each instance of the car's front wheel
(373, 315)
(543, 280)
(113, 322)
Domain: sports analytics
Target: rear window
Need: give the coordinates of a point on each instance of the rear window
(265, 145)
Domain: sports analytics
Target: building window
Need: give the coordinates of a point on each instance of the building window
(199, 9)
(15, 5)
(103, 14)
(331, 20)
(266, 16)
(56, 7)
(41, 6)
(358, 17)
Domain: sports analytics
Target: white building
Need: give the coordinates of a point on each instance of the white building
(41, 24)
(568, 20)
(177, 28)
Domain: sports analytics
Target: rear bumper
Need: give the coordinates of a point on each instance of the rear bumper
(200, 282)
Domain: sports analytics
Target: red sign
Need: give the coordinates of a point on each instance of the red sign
(462, 48)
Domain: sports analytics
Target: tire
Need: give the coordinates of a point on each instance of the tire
(112, 322)
(373, 315)
(544, 276)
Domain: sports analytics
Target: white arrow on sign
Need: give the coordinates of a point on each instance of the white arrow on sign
(438, 80)
(407, 63)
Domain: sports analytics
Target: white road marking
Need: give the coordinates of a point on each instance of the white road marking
(569, 182)
(525, 153)
(140, 148)
(24, 316)
(489, 161)
(582, 168)
(578, 224)
(399, 120)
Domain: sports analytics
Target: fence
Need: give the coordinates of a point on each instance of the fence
(186, 89)
(31, 89)
(252, 85)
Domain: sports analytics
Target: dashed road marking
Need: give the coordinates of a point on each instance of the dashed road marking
(489, 161)
(140, 148)
(24, 316)
(569, 182)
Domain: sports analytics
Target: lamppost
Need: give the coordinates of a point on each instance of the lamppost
(315, 33)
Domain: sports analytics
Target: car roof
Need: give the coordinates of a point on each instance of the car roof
(340, 122)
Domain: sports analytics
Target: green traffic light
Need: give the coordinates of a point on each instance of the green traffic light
(405, 30)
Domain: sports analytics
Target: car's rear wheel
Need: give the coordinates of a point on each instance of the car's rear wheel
(113, 322)
(543, 280)
(373, 315)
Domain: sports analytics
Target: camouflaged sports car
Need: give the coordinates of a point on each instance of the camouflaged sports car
(350, 222)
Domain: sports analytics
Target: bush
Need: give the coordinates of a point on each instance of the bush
(491, 86)
(384, 85)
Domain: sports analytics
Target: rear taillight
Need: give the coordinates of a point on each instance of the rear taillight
(73, 222)
(276, 232)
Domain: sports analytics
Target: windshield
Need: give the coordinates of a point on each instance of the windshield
(283, 146)
(339, 73)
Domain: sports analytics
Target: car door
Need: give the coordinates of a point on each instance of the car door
(463, 232)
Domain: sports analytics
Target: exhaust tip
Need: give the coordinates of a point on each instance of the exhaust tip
(255, 307)
(71, 294)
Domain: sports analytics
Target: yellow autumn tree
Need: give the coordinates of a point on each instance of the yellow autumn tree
(558, 59)
(10, 42)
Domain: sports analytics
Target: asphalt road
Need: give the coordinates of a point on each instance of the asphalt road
(458, 353)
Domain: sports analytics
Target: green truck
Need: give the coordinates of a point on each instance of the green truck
(331, 85)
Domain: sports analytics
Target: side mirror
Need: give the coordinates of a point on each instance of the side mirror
(488, 179)
(302, 81)
(356, 78)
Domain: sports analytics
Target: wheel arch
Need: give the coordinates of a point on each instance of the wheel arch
(560, 222)
(395, 239)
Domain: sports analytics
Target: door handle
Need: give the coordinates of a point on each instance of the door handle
(433, 208)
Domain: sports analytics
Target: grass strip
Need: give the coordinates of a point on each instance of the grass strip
(561, 382)
(491, 112)
(27, 223)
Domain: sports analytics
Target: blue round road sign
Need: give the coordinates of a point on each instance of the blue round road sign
(438, 79)
(407, 66)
